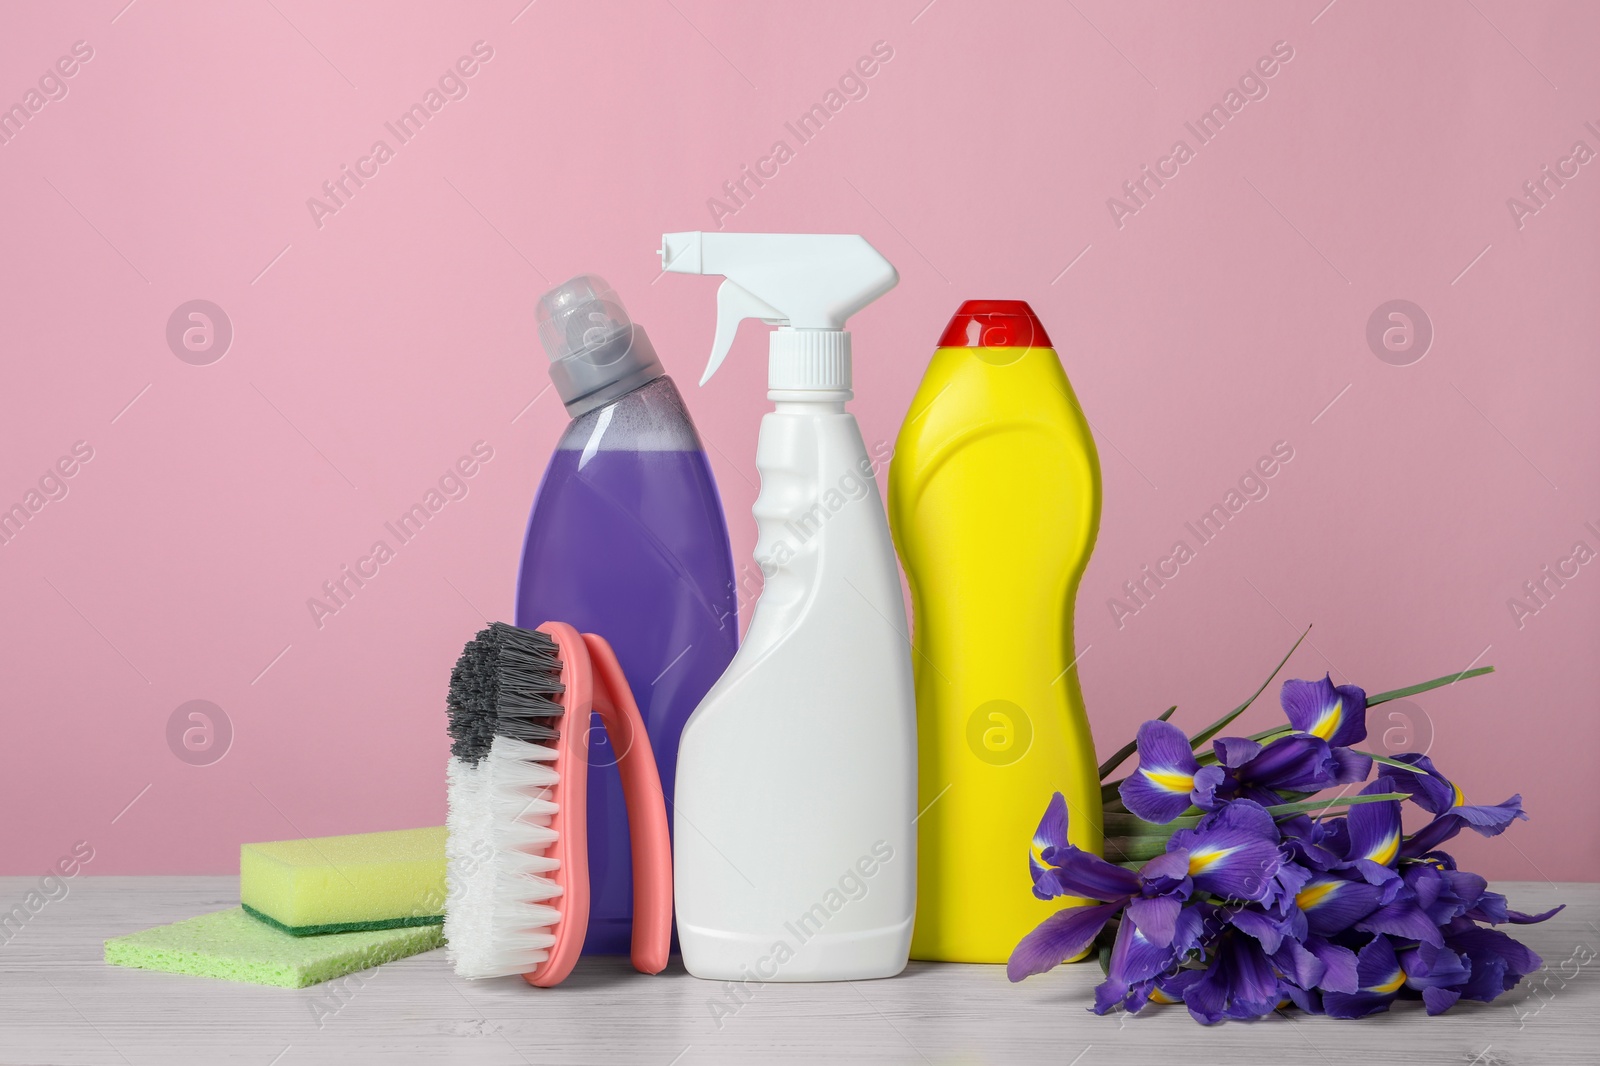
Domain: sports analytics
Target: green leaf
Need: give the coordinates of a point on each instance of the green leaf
(1222, 723)
(1385, 760)
(1131, 825)
(1124, 850)
(1122, 753)
(1303, 806)
(1438, 682)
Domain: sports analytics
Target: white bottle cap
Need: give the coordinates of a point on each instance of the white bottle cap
(809, 359)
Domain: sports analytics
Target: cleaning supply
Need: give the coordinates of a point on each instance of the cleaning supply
(627, 539)
(994, 499)
(797, 773)
(517, 864)
(233, 946)
(340, 884)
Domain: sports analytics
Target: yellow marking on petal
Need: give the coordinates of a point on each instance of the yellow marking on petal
(1391, 985)
(1170, 780)
(1328, 721)
(1202, 859)
(1158, 996)
(1461, 797)
(1315, 893)
(1385, 851)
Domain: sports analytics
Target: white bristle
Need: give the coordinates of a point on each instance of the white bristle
(498, 920)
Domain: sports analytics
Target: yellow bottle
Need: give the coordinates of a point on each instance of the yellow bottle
(994, 502)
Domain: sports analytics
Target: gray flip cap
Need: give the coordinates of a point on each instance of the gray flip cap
(596, 353)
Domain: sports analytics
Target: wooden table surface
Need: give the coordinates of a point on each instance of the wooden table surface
(60, 1003)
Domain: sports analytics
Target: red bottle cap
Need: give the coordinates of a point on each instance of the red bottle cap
(995, 324)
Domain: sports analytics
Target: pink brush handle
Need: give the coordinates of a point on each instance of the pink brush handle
(647, 808)
(570, 821)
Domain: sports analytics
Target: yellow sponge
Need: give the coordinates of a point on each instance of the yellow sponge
(347, 883)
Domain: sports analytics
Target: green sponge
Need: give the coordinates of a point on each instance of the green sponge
(235, 947)
(347, 883)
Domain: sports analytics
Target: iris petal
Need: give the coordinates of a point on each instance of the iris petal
(1428, 788)
(1134, 957)
(1378, 967)
(1498, 961)
(1430, 836)
(1052, 833)
(1487, 820)
(1298, 964)
(1340, 962)
(1234, 752)
(1434, 966)
(1081, 874)
(1168, 866)
(1334, 713)
(1233, 852)
(1261, 927)
(1439, 1000)
(1239, 983)
(1208, 782)
(1059, 937)
(1296, 763)
(1402, 918)
(1375, 827)
(1349, 765)
(1333, 904)
(1158, 791)
(1521, 918)
(1490, 819)
(1156, 917)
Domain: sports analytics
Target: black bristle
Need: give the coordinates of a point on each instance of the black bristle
(502, 685)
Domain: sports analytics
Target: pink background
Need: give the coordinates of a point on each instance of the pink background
(372, 351)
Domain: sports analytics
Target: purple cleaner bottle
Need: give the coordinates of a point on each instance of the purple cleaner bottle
(627, 540)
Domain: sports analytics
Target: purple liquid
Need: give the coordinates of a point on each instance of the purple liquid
(633, 546)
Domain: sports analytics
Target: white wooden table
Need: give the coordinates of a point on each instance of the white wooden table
(59, 1003)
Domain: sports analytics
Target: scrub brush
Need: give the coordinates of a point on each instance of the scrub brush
(517, 867)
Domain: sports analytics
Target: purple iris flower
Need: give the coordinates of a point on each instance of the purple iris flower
(1141, 969)
(1334, 713)
(1161, 788)
(1428, 788)
(1245, 912)
(1152, 897)
(1234, 853)
(1327, 719)
(1239, 983)
(1433, 792)
(1316, 964)
(1170, 779)
(1316, 843)
(1332, 903)
(1497, 961)
(1374, 836)
(1295, 763)
(1384, 973)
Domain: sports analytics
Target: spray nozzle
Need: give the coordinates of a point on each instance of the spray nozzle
(808, 284)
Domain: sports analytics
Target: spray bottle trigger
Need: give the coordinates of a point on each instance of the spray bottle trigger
(734, 305)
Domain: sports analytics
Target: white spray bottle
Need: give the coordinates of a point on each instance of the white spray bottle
(797, 774)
